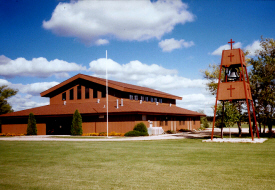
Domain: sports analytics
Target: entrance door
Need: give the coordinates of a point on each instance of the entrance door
(58, 126)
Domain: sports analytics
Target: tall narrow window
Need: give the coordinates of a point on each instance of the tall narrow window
(152, 99)
(64, 96)
(146, 99)
(94, 93)
(142, 98)
(131, 97)
(136, 97)
(87, 93)
(166, 123)
(155, 100)
(78, 92)
(72, 94)
(160, 100)
(103, 93)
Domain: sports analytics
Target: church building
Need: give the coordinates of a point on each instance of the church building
(127, 105)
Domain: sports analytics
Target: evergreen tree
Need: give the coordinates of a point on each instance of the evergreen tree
(31, 129)
(76, 128)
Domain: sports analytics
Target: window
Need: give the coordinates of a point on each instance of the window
(136, 97)
(142, 98)
(103, 93)
(71, 94)
(152, 99)
(131, 97)
(87, 93)
(161, 123)
(146, 99)
(194, 121)
(78, 92)
(183, 122)
(144, 117)
(160, 100)
(94, 93)
(155, 100)
(64, 96)
(166, 123)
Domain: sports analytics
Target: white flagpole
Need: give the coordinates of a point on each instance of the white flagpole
(107, 92)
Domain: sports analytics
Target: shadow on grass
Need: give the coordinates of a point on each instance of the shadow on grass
(207, 135)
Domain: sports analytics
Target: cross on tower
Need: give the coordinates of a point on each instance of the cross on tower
(231, 42)
(231, 90)
(231, 55)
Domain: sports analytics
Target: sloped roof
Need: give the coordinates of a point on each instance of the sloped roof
(124, 87)
(99, 108)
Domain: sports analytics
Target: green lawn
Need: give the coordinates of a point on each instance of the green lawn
(165, 164)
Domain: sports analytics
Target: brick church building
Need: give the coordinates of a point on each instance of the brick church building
(127, 105)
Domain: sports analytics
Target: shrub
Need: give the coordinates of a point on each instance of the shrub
(184, 130)
(76, 128)
(132, 134)
(31, 129)
(141, 127)
(170, 132)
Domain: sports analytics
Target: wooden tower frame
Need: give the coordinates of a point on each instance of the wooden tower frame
(238, 89)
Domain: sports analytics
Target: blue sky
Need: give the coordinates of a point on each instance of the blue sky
(160, 44)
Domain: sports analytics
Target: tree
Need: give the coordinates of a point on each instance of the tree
(212, 75)
(76, 128)
(262, 79)
(5, 93)
(31, 129)
(229, 116)
(203, 120)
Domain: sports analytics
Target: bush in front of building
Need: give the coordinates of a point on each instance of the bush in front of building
(31, 129)
(76, 128)
(140, 129)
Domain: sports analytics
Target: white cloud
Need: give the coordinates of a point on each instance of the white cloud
(37, 67)
(132, 71)
(254, 48)
(101, 42)
(152, 76)
(168, 82)
(169, 45)
(198, 101)
(21, 102)
(33, 89)
(125, 20)
(226, 47)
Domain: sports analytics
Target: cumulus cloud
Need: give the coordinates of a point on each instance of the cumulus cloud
(37, 67)
(198, 101)
(90, 21)
(22, 102)
(226, 47)
(152, 76)
(169, 45)
(254, 48)
(133, 71)
(33, 89)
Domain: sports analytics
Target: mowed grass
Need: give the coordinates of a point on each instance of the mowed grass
(164, 164)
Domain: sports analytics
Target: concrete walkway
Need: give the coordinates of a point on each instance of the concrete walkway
(194, 134)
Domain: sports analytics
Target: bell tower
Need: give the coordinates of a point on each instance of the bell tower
(235, 86)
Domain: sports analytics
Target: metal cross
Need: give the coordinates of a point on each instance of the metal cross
(231, 90)
(231, 55)
(231, 42)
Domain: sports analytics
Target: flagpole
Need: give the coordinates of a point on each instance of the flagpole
(107, 92)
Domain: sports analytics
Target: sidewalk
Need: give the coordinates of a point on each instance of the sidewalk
(194, 134)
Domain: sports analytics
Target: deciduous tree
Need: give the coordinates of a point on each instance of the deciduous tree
(5, 93)
(262, 79)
